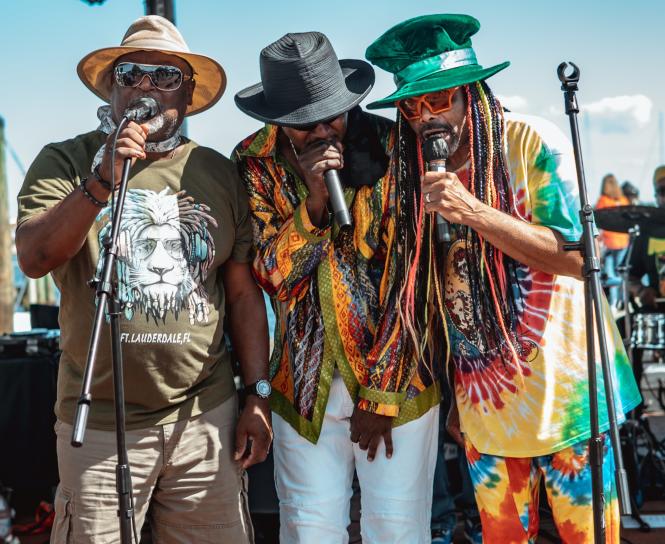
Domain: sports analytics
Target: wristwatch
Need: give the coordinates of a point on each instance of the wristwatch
(261, 389)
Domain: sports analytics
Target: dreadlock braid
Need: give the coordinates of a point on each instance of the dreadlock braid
(417, 273)
(491, 272)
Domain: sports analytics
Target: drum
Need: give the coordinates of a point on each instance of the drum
(649, 331)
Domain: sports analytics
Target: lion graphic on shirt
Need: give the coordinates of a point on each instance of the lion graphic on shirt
(164, 252)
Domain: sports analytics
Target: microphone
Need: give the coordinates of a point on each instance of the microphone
(141, 109)
(337, 202)
(435, 152)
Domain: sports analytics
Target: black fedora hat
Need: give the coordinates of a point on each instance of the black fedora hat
(303, 83)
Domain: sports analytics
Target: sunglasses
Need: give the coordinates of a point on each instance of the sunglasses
(163, 76)
(312, 127)
(437, 102)
(660, 191)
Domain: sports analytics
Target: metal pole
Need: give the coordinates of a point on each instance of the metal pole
(165, 8)
(594, 314)
(662, 137)
(107, 293)
(6, 262)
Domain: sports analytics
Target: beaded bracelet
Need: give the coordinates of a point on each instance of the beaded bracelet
(106, 184)
(90, 196)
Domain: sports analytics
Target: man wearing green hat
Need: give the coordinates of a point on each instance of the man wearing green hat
(510, 295)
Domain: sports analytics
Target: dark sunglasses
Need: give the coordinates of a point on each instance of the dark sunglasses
(312, 127)
(163, 76)
(660, 191)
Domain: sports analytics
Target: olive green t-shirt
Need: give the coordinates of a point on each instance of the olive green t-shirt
(183, 218)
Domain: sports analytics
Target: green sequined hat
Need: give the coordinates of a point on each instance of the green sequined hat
(428, 53)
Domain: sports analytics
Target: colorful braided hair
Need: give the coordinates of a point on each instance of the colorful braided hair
(492, 274)
(421, 258)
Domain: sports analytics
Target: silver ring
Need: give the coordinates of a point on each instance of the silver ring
(427, 198)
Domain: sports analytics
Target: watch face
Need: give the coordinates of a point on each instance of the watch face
(263, 388)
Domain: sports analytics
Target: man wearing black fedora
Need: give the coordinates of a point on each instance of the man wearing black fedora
(347, 390)
(183, 271)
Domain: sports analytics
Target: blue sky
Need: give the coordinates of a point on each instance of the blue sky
(616, 43)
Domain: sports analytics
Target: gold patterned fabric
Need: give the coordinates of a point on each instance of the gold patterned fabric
(334, 293)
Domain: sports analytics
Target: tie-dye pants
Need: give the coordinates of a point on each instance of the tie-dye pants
(507, 488)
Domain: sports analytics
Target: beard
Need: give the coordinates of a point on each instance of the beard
(446, 129)
(162, 126)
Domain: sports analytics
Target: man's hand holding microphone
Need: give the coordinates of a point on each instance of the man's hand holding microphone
(130, 143)
(319, 163)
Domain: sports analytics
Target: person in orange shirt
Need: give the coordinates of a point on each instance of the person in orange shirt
(614, 243)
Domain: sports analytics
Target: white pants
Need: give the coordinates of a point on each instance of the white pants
(314, 480)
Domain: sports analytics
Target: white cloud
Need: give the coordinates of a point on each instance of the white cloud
(514, 103)
(619, 113)
(553, 111)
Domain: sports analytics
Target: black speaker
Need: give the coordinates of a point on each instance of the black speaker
(44, 316)
(28, 373)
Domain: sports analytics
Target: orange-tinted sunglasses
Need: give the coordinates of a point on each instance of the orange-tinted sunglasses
(436, 102)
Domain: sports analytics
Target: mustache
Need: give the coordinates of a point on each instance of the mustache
(155, 97)
(437, 126)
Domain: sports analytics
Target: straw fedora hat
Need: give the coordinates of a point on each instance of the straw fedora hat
(154, 33)
(303, 82)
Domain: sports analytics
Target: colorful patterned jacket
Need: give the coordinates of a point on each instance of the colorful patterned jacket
(333, 293)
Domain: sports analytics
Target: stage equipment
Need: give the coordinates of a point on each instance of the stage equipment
(337, 202)
(107, 303)
(593, 309)
(636, 221)
(649, 331)
(435, 152)
(28, 373)
(649, 219)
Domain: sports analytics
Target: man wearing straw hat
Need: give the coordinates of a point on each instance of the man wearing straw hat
(347, 390)
(511, 295)
(183, 265)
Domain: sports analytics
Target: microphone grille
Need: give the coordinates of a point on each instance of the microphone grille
(142, 109)
(435, 148)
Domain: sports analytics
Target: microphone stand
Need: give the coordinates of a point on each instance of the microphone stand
(107, 298)
(593, 308)
(624, 269)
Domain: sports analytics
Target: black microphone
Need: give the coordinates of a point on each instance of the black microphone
(141, 109)
(435, 152)
(337, 202)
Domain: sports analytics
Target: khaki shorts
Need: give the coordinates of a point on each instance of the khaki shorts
(183, 471)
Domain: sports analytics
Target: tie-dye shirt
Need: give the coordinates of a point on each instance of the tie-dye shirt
(545, 409)
(334, 294)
